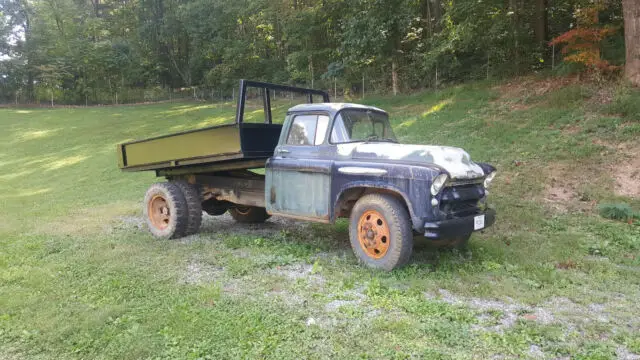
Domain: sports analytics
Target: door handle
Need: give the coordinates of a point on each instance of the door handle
(283, 151)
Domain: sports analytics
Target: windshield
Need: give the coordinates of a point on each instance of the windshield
(353, 125)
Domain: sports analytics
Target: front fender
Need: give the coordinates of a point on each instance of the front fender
(415, 219)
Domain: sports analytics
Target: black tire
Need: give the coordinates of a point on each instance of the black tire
(214, 207)
(249, 214)
(194, 206)
(459, 242)
(397, 222)
(165, 211)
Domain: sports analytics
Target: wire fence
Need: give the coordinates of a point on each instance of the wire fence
(70, 98)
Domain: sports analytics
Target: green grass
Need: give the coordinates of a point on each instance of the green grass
(79, 278)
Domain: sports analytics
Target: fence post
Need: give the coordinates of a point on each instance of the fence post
(488, 63)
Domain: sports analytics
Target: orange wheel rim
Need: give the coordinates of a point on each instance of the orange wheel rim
(158, 212)
(373, 234)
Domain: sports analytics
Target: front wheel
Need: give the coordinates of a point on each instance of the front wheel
(249, 214)
(380, 232)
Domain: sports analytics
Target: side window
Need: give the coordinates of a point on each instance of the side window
(321, 131)
(303, 130)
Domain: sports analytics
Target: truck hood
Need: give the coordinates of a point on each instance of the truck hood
(454, 160)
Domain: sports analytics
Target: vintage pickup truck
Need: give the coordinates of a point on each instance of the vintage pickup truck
(327, 161)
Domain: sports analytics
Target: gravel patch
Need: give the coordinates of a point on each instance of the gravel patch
(198, 273)
(335, 305)
(213, 226)
(623, 353)
(299, 271)
(136, 222)
(535, 352)
(555, 310)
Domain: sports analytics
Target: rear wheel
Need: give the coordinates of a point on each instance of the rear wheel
(194, 206)
(165, 211)
(380, 232)
(249, 214)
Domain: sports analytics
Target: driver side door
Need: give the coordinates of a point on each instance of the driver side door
(298, 177)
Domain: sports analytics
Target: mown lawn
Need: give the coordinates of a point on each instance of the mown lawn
(81, 278)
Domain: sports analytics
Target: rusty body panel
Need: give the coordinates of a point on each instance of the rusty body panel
(306, 182)
(236, 190)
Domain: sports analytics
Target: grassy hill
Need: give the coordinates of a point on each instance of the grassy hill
(81, 278)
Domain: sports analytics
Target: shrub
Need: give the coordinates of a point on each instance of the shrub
(626, 102)
(620, 211)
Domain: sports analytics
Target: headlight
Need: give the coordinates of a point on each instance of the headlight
(438, 183)
(488, 179)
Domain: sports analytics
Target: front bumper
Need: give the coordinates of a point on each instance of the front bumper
(462, 226)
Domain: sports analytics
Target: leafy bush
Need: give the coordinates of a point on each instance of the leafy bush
(626, 102)
(620, 211)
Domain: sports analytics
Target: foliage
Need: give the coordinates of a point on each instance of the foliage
(112, 50)
(582, 44)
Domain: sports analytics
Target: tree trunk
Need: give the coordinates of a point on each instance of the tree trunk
(29, 51)
(541, 21)
(631, 10)
(436, 14)
(394, 76)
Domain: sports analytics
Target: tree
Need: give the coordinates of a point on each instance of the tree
(631, 9)
(376, 33)
(541, 21)
(92, 51)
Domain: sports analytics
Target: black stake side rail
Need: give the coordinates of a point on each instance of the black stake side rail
(266, 97)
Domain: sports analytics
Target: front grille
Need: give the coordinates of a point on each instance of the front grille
(461, 200)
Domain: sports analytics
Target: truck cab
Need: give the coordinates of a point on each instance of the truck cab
(326, 161)
(331, 156)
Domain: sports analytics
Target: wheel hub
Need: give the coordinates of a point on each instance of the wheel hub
(159, 213)
(373, 234)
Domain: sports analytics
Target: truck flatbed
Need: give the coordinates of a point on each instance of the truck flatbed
(233, 146)
(239, 143)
